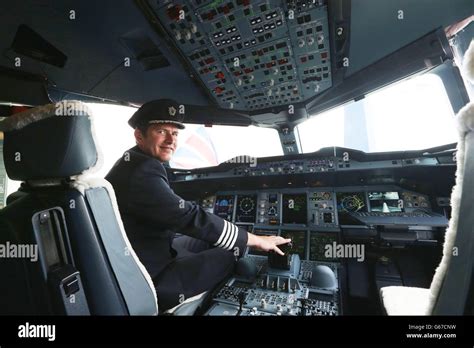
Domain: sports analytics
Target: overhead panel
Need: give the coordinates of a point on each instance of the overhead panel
(252, 55)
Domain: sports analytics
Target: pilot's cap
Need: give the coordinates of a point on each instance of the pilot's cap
(158, 111)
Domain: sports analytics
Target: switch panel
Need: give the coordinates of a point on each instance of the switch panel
(252, 55)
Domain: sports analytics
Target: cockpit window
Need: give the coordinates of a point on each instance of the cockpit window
(201, 146)
(414, 114)
(114, 135)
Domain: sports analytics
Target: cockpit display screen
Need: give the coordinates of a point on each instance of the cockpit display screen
(385, 202)
(246, 208)
(298, 241)
(350, 202)
(224, 207)
(295, 209)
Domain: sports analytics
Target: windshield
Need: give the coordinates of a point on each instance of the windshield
(201, 146)
(414, 114)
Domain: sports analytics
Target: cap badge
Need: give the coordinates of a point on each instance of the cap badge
(171, 111)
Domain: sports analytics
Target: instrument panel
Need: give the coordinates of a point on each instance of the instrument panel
(252, 55)
(316, 199)
(331, 209)
(314, 218)
(324, 209)
(310, 164)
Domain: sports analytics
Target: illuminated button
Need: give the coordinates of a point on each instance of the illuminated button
(187, 35)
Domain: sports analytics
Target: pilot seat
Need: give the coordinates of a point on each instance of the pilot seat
(84, 263)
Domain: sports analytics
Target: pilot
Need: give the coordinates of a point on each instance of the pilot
(152, 214)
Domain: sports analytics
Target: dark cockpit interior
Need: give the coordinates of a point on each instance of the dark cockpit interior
(373, 227)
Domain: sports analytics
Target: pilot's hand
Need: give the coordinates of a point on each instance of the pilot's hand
(267, 243)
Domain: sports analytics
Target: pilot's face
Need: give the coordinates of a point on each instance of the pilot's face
(159, 141)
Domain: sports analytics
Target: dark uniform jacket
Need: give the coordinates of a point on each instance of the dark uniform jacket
(152, 212)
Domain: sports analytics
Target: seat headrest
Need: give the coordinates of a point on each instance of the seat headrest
(50, 142)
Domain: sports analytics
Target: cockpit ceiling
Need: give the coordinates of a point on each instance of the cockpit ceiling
(131, 52)
(252, 55)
